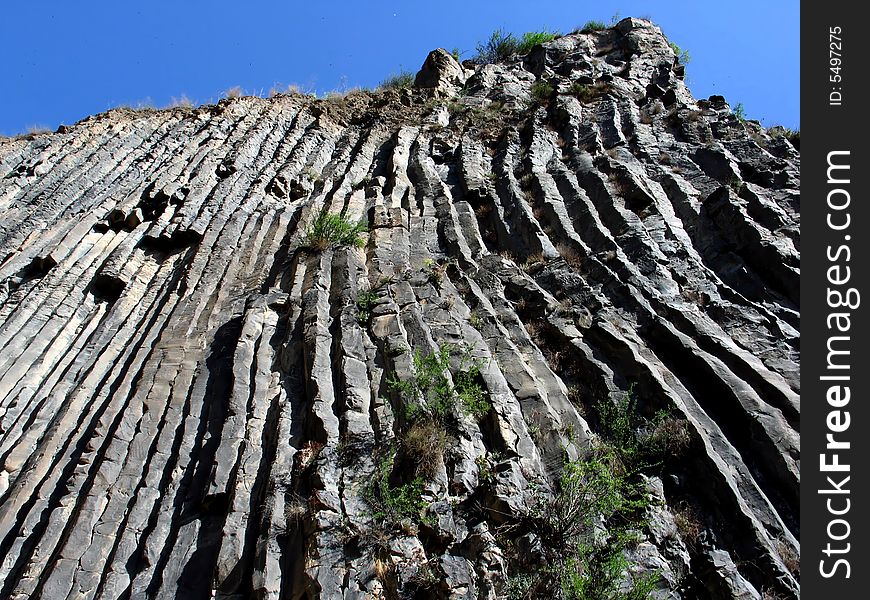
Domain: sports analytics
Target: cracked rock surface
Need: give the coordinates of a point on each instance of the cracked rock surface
(194, 403)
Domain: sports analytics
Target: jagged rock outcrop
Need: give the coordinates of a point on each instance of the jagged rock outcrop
(441, 72)
(196, 403)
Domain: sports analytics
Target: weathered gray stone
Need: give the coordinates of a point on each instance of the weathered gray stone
(195, 402)
(440, 72)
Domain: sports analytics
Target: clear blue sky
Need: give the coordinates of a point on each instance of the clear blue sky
(65, 60)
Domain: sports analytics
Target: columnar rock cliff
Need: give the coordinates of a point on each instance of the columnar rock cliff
(200, 398)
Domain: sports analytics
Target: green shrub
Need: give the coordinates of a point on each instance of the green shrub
(401, 80)
(530, 39)
(587, 490)
(500, 46)
(429, 393)
(456, 54)
(682, 55)
(471, 396)
(591, 26)
(637, 440)
(542, 90)
(596, 573)
(391, 505)
(455, 107)
(429, 399)
(577, 563)
(334, 230)
(365, 302)
(485, 472)
(740, 111)
(620, 423)
(429, 386)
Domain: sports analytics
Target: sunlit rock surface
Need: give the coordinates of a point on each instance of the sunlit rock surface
(194, 404)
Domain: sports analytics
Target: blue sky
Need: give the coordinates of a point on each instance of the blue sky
(66, 60)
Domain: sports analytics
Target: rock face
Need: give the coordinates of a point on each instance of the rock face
(440, 72)
(197, 402)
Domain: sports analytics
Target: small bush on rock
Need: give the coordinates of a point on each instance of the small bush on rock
(577, 562)
(501, 45)
(541, 91)
(591, 26)
(392, 504)
(530, 39)
(430, 394)
(637, 440)
(365, 302)
(401, 80)
(334, 230)
(682, 55)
